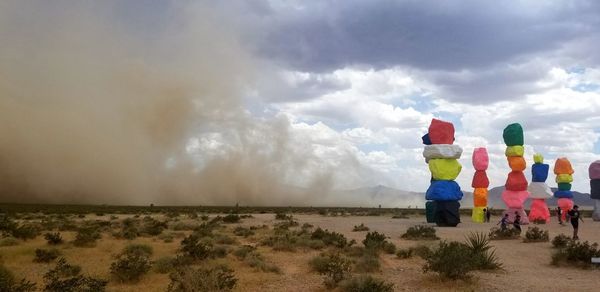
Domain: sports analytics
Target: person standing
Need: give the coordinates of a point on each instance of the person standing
(485, 211)
(575, 216)
(488, 215)
(503, 222)
(559, 214)
(517, 222)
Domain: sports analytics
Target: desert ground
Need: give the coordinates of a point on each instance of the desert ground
(526, 266)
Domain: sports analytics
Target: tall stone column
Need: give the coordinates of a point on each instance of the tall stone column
(564, 177)
(515, 192)
(442, 157)
(480, 184)
(539, 191)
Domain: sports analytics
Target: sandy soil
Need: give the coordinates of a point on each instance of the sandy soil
(527, 265)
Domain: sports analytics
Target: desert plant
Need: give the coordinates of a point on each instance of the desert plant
(368, 262)
(46, 255)
(451, 260)
(482, 255)
(242, 231)
(508, 233)
(26, 231)
(129, 229)
(53, 238)
(164, 265)
(256, 260)
(333, 266)
(67, 278)
(283, 216)
(9, 284)
(132, 263)
(422, 251)
(231, 218)
(365, 283)
(560, 241)
(360, 227)
(153, 227)
(375, 240)
(576, 253)
(219, 278)
(535, 234)
(330, 238)
(192, 247)
(86, 237)
(404, 253)
(418, 232)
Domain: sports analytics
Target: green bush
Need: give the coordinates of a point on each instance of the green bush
(152, 226)
(374, 240)
(242, 231)
(243, 250)
(404, 253)
(560, 241)
(257, 261)
(220, 278)
(26, 231)
(53, 238)
(330, 238)
(164, 265)
(132, 263)
(365, 283)
(450, 260)
(508, 233)
(481, 252)
(576, 253)
(418, 232)
(421, 251)
(67, 278)
(86, 237)
(129, 229)
(231, 218)
(195, 249)
(535, 234)
(283, 216)
(333, 266)
(46, 255)
(9, 284)
(368, 262)
(361, 227)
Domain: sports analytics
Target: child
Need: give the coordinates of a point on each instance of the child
(517, 222)
(575, 216)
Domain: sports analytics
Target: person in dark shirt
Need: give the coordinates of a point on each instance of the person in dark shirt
(503, 222)
(575, 217)
(517, 222)
(485, 210)
(488, 214)
(559, 215)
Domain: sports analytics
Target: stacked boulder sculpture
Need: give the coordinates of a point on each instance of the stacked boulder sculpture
(594, 171)
(564, 177)
(539, 191)
(442, 157)
(515, 192)
(480, 184)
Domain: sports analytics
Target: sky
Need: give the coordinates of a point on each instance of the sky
(349, 86)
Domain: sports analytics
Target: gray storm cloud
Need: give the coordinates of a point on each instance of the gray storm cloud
(93, 113)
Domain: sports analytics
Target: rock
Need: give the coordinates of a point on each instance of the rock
(595, 189)
(514, 199)
(444, 190)
(480, 180)
(513, 135)
(539, 172)
(441, 132)
(563, 166)
(426, 139)
(514, 151)
(442, 151)
(446, 213)
(516, 163)
(594, 170)
(539, 211)
(516, 181)
(480, 159)
(564, 178)
(480, 197)
(477, 215)
(538, 158)
(563, 194)
(444, 169)
(539, 190)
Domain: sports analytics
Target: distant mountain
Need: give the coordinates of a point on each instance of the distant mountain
(394, 198)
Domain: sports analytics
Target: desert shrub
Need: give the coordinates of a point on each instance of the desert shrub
(129, 229)
(333, 266)
(418, 232)
(285, 225)
(195, 249)
(330, 238)
(219, 278)
(132, 263)
(9, 284)
(26, 231)
(67, 278)
(400, 215)
(164, 265)
(206, 229)
(7, 225)
(535, 234)
(307, 226)
(389, 247)
(368, 262)
(243, 250)
(576, 253)
(508, 233)
(242, 231)
(204, 217)
(365, 283)
(283, 216)
(360, 227)
(8, 241)
(53, 238)
(450, 260)
(86, 237)
(404, 253)
(166, 238)
(231, 218)
(560, 241)
(152, 226)
(421, 251)
(257, 261)
(46, 255)
(483, 257)
(377, 241)
(224, 239)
